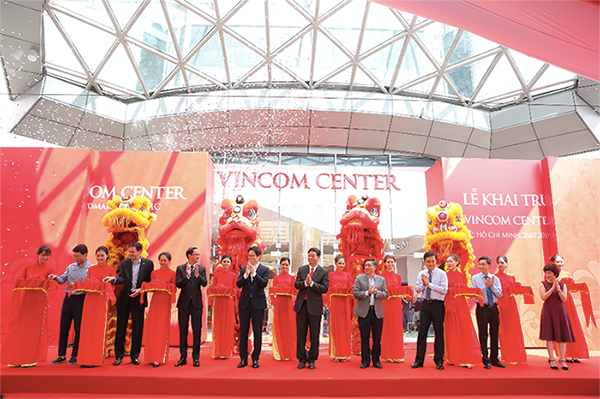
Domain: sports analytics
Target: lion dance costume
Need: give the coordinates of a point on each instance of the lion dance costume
(127, 223)
(360, 240)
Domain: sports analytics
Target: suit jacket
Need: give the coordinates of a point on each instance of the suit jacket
(314, 293)
(126, 277)
(361, 292)
(191, 288)
(255, 286)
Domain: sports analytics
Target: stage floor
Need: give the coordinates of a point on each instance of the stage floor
(222, 378)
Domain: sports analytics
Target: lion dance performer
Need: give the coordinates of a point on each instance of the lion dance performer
(447, 234)
(360, 240)
(127, 223)
(238, 231)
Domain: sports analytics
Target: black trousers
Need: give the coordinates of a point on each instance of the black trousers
(431, 312)
(488, 316)
(304, 320)
(366, 325)
(183, 315)
(136, 310)
(71, 311)
(257, 316)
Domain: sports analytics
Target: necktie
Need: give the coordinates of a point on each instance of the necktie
(312, 271)
(428, 291)
(489, 294)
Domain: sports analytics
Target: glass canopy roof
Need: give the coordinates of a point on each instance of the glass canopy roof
(142, 49)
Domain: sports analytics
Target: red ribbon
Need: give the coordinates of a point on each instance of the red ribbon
(92, 284)
(586, 301)
(156, 286)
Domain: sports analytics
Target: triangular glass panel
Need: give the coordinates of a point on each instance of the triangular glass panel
(381, 26)
(502, 80)
(310, 6)
(240, 58)
(178, 82)
(297, 56)
(328, 57)
(80, 35)
(209, 59)
(444, 90)
(342, 77)
(118, 71)
(154, 69)
(469, 46)
(362, 79)
(467, 78)
(345, 25)
(553, 75)
(438, 39)
(225, 6)
(423, 87)
(415, 64)
(208, 6)
(57, 50)
(124, 10)
(151, 28)
(93, 10)
(284, 23)
(278, 75)
(249, 22)
(528, 66)
(383, 63)
(188, 27)
(195, 80)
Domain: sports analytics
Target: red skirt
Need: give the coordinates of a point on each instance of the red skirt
(462, 345)
(156, 330)
(284, 327)
(392, 336)
(579, 348)
(340, 327)
(92, 333)
(510, 335)
(223, 327)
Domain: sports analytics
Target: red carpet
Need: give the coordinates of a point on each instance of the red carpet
(276, 379)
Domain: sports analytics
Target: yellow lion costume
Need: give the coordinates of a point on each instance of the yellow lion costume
(447, 234)
(127, 223)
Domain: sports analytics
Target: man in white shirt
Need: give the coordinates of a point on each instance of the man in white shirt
(487, 312)
(433, 284)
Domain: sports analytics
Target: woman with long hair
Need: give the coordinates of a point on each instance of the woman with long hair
(462, 345)
(392, 336)
(340, 312)
(26, 341)
(223, 312)
(282, 295)
(158, 323)
(555, 327)
(94, 317)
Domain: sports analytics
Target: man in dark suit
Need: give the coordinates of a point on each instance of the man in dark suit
(134, 271)
(252, 280)
(369, 290)
(190, 277)
(312, 281)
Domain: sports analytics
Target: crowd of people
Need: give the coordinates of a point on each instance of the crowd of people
(376, 300)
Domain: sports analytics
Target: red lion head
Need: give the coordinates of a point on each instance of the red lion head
(238, 230)
(359, 235)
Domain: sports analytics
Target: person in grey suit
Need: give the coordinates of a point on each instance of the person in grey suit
(369, 290)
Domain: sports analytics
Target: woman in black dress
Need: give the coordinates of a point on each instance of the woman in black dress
(554, 326)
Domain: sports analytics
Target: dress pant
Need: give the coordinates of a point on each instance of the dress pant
(304, 320)
(366, 325)
(257, 316)
(431, 312)
(183, 315)
(71, 311)
(488, 315)
(136, 310)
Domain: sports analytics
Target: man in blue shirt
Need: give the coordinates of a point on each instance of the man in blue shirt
(72, 307)
(487, 312)
(433, 284)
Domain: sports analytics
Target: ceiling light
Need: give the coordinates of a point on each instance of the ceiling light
(32, 54)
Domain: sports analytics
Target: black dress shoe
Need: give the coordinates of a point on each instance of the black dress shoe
(301, 365)
(243, 363)
(255, 364)
(416, 365)
(439, 366)
(117, 361)
(135, 362)
(311, 365)
(155, 364)
(196, 363)
(86, 367)
(498, 364)
(377, 365)
(364, 365)
(181, 362)
(487, 366)
(59, 360)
